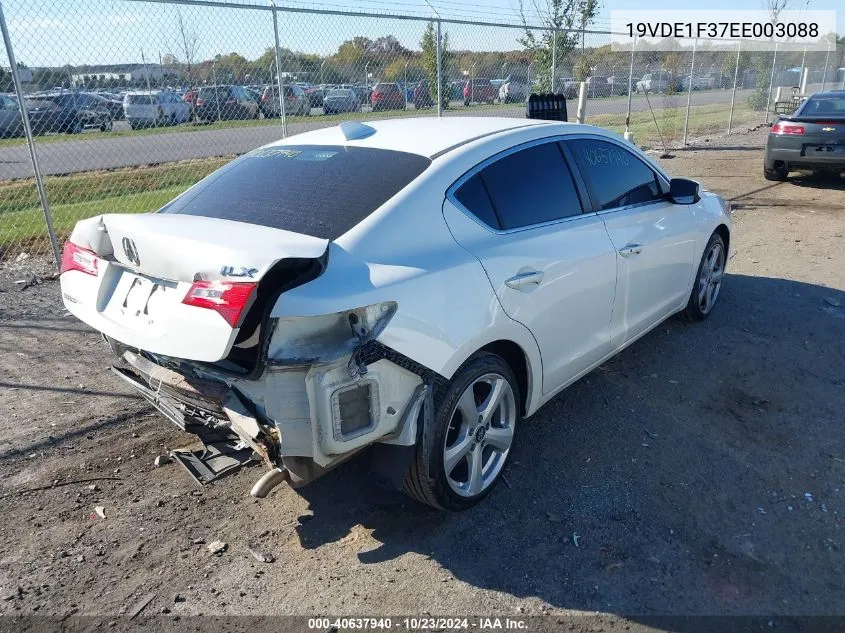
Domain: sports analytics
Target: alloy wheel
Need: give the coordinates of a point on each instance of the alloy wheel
(479, 435)
(710, 278)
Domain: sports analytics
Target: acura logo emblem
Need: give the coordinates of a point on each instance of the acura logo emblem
(131, 251)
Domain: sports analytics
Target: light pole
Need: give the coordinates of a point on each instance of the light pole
(503, 70)
(529, 75)
(322, 83)
(367, 80)
(405, 85)
(472, 84)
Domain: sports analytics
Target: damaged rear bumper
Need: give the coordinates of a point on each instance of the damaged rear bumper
(301, 420)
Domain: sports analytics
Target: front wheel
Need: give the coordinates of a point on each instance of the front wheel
(708, 281)
(461, 457)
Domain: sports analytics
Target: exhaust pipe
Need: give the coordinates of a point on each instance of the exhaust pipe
(268, 481)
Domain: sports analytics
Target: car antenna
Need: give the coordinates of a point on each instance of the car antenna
(354, 130)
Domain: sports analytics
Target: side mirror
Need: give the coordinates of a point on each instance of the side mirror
(683, 191)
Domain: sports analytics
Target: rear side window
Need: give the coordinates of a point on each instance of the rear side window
(473, 195)
(614, 175)
(322, 191)
(531, 186)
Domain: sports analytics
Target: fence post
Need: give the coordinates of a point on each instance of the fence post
(554, 57)
(279, 82)
(39, 180)
(628, 135)
(689, 90)
(439, 49)
(771, 82)
(733, 94)
(824, 74)
(803, 59)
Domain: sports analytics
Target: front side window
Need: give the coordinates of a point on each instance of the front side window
(614, 175)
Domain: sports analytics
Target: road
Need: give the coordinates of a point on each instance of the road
(95, 150)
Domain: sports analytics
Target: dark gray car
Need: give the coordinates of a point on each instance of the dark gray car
(812, 137)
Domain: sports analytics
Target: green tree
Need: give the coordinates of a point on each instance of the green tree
(581, 69)
(6, 81)
(429, 62)
(565, 17)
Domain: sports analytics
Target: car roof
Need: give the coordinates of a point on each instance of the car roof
(427, 136)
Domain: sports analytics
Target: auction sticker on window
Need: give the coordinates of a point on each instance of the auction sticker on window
(755, 29)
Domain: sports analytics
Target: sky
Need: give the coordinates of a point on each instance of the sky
(59, 32)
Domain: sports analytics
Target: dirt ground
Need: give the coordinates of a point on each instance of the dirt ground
(699, 472)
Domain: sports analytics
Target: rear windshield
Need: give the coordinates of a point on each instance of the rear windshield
(825, 104)
(140, 99)
(208, 93)
(322, 191)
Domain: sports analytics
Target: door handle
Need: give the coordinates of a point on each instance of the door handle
(631, 249)
(523, 280)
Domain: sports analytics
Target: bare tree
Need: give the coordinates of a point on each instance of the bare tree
(775, 8)
(187, 44)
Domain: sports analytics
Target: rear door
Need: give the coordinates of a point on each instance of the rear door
(653, 238)
(552, 266)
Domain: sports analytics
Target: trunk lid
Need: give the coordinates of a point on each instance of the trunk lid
(146, 265)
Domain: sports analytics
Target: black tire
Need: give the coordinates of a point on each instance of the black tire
(426, 480)
(775, 175)
(693, 312)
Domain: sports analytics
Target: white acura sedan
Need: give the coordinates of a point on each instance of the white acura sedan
(417, 286)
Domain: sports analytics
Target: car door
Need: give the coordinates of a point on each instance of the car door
(552, 266)
(654, 238)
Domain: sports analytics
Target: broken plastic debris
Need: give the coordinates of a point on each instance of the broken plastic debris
(101, 511)
(575, 538)
(808, 496)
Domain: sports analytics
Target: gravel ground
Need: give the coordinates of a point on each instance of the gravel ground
(699, 472)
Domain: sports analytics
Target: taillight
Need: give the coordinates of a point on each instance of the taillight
(265, 98)
(787, 128)
(200, 102)
(227, 298)
(74, 257)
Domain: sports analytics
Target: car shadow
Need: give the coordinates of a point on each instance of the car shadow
(663, 482)
(819, 180)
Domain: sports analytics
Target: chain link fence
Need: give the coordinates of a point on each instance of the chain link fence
(130, 102)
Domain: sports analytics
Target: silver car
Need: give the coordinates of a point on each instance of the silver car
(155, 108)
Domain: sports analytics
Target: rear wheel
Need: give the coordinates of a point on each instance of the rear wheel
(708, 281)
(778, 174)
(461, 457)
